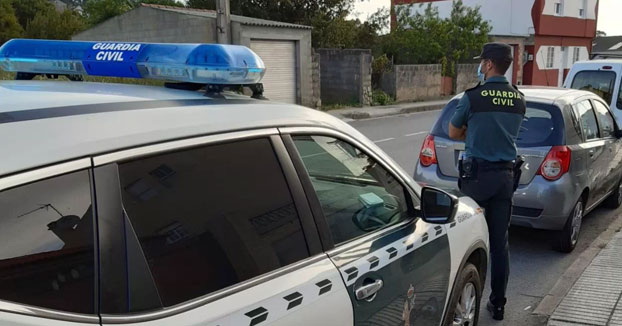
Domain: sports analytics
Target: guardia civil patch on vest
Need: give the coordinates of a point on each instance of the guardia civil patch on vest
(496, 97)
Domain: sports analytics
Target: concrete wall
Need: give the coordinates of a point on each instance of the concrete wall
(408, 83)
(345, 76)
(466, 77)
(146, 24)
(243, 34)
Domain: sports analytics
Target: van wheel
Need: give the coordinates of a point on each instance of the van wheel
(615, 199)
(465, 299)
(569, 236)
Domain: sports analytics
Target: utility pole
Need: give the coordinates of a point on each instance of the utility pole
(223, 21)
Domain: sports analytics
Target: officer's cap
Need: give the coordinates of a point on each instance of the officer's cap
(496, 51)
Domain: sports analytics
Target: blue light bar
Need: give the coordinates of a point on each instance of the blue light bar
(193, 63)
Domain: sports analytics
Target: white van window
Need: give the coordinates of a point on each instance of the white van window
(600, 83)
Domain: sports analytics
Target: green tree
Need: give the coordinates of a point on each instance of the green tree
(325, 16)
(467, 33)
(418, 38)
(50, 24)
(26, 10)
(98, 11)
(201, 4)
(426, 38)
(9, 25)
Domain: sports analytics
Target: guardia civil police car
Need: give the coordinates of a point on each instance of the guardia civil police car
(136, 205)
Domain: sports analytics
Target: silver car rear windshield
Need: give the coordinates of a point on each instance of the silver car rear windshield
(543, 125)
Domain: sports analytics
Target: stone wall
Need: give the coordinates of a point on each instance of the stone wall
(408, 83)
(316, 77)
(345, 76)
(466, 77)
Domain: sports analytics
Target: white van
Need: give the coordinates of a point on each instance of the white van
(601, 77)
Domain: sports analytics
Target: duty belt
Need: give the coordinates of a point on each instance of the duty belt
(489, 166)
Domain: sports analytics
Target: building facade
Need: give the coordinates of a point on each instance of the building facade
(284, 48)
(547, 36)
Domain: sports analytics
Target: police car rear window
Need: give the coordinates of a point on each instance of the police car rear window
(543, 125)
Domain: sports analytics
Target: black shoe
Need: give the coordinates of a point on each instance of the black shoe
(496, 312)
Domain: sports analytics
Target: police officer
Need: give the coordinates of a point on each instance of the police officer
(489, 117)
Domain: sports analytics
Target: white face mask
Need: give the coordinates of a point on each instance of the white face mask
(481, 76)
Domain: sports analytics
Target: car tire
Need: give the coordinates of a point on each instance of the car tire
(568, 237)
(466, 298)
(615, 199)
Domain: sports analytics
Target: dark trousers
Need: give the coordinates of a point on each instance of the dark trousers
(492, 189)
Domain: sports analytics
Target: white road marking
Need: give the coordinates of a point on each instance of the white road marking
(416, 133)
(383, 140)
(527, 308)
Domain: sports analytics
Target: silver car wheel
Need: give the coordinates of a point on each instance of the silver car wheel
(466, 306)
(577, 217)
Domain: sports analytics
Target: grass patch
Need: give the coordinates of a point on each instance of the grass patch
(6, 75)
(331, 107)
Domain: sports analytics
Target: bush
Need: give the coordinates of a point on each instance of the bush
(379, 66)
(381, 98)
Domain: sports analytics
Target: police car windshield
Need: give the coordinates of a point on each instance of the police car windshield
(543, 125)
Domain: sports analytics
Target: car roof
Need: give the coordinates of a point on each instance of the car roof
(45, 122)
(549, 95)
(599, 62)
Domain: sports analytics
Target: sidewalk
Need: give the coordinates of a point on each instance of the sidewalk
(368, 112)
(595, 299)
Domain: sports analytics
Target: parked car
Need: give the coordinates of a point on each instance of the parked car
(603, 78)
(571, 145)
(126, 204)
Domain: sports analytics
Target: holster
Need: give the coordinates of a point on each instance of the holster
(467, 170)
(520, 160)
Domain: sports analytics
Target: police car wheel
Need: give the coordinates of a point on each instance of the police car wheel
(465, 300)
(569, 236)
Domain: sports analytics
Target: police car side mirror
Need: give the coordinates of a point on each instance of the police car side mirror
(437, 206)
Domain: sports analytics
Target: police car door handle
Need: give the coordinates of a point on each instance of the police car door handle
(368, 292)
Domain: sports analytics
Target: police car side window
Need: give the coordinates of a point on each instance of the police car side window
(605, 119)
(210, 217)
(47, 255)
(356, 193)
(588, 120)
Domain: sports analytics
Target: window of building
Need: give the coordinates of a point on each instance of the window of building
(357, 195)
(210, 217)
(576, 54)
(559, 7)
(47, 254)
(550, 57)
(588, 120)
(606, 120)
(582, 13)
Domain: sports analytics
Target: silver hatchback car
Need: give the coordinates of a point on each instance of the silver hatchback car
(570, 142)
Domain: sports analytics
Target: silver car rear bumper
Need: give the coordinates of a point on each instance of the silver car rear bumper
(546, 204)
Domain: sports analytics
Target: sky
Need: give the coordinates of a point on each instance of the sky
(608, 13)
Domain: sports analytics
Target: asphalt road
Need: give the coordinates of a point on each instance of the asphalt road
(535, 267)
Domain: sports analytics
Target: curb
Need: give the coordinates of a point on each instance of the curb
(561, 288)
(380, 113)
